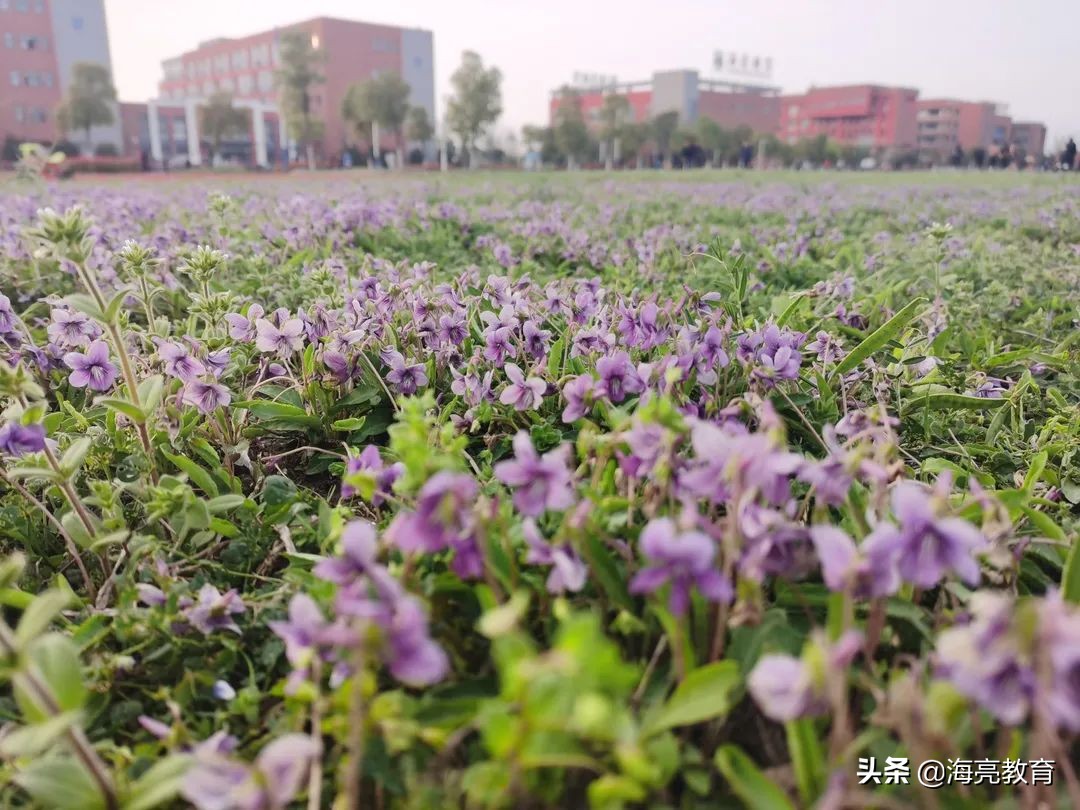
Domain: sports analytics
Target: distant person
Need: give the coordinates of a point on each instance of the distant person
(144, 160)
(1068, 157)
(746, 155)
(957, 159)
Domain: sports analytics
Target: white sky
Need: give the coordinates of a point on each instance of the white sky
(1023, 53)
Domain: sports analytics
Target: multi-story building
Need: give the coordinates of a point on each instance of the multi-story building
(40, 42)
(865, 115)
(729, 104)
(1029, 137)
(945, 124)
(244, 68)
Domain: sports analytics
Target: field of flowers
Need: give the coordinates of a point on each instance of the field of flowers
(540, 493)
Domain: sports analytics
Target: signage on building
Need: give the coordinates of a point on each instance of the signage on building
(584, 80)
(734, 63)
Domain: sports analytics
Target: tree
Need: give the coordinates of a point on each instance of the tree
(418, 126)
(712, 137)
(382, 100)
(663, 129)
(477, 100)
(613, 113)
(219, 120)
(571, 134)
(89, 100)
(633, 136)
(300, 71)
(542, 139)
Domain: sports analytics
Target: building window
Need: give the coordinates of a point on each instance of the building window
(77, 23)
(22, 5)
(245, 84)
(9, 39)
(46, 79)
(20, 115)
(266, 80)
(384, 45)
(16, 79)
(40, 115)
(39, 6)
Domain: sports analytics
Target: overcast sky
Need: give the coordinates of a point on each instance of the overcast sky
(1023, 53)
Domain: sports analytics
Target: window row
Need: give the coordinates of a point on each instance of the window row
(31, 78)
(31, 115)
(23, 5)
(28, 42)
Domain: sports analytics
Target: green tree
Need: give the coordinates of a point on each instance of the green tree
(542, 139)
(418, 126)
(220, 119)
(614, 112)
(633, 136)
(571, 134)
(476, 102)
(300, 71)
(89, 100)
(712, 137)
(663, 130)
(382, 100)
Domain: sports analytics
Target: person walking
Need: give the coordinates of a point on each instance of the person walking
(1068, 157)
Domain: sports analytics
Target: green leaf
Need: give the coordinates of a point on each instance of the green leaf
(56, 658)
(1035, 471)
(73, 457)
(878, 339)
(33, 740)
(135, 414)
(150, 391)
(60, 782)
(160, 784)
(747, 782)
(352, 423)
(807, 758)
(37, 618)
(224, 503)
(1070, 577)
(279, 413)
(707, 692)
(112, 309)
(951, 402)
(197, 474)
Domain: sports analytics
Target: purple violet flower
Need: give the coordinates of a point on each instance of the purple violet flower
(523, 394)
(17, 439)
(539, 482)
(682, 559)
(214, 610)
(91, 369)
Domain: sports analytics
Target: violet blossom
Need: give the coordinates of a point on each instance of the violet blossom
(91, 369)
(539, 482)
(682, 559)
(523, 394)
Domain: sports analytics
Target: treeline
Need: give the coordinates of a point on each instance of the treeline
(614, 138)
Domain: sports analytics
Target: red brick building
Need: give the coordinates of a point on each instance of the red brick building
(40, 42)
(945, 124)
(244, 68)
(729, 104)
(866, 115)
(1029, 137)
